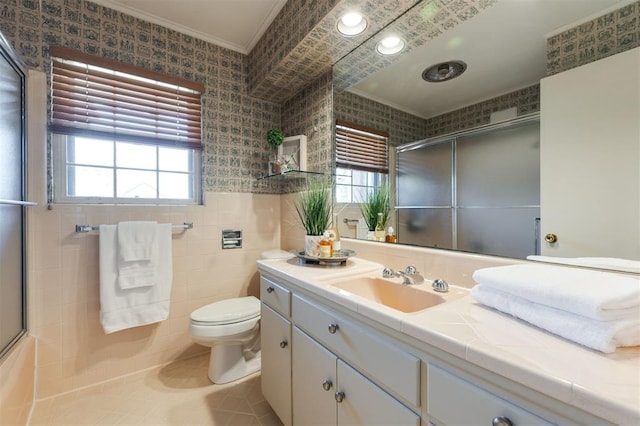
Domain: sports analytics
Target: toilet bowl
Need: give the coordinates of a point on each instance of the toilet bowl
(231, 328)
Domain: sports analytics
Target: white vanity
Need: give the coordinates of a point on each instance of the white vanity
(332, 357)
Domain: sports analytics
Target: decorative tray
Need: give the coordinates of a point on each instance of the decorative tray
(339, 260)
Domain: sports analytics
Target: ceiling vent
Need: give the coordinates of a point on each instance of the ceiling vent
(444, 71)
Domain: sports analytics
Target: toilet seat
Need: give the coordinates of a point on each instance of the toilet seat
(230, 311)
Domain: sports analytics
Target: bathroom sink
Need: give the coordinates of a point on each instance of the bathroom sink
(386, 292)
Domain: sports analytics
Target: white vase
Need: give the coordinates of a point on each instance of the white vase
(312, 245)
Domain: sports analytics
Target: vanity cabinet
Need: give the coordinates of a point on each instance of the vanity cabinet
(326, 391)
(275, 342)
(447, 393)
(324, 365)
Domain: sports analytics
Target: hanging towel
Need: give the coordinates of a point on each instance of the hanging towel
(593, 294)
(603, 336)
(136, 240)
(125, 308)
(137, 254)
(612, 263)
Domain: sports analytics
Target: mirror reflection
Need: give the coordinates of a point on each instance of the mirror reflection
(460, 173)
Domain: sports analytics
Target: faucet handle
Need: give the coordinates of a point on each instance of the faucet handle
(411, 270)
(388, 273)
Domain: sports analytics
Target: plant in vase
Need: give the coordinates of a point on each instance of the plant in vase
(313, 206)
(274, 139)
(375, 208)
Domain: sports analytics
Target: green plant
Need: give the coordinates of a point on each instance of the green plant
(275, 137)
(313, 206)
(376, 201)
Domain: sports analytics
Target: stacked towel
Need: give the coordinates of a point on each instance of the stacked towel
(611, 263)
(600, 310)
(137, 254)
(122, 307)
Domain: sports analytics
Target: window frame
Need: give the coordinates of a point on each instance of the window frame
(60, 181)
(364, 138)
(102, 99)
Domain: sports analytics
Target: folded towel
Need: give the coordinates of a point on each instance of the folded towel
(136, 240)
(137, 254)
(593, 294)
(603, 336)
(136, 274)
(126, 308)
(612, 263)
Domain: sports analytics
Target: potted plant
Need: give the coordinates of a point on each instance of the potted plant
(274, 139)
(313, 206)
(376, 201)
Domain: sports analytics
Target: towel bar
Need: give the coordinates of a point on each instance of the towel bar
(89, 228)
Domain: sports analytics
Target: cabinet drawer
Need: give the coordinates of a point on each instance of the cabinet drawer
(379, 359)
(452, 400)
(275, 295)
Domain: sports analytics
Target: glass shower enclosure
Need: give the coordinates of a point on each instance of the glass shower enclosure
(12, 198)
(477, 191)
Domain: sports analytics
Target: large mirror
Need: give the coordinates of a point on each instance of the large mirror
(504, 47)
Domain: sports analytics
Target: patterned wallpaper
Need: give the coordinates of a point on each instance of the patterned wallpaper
(402, 127)
(526, 101)
(234, 123)
(604, 36)
(426, 21)
(302, 43)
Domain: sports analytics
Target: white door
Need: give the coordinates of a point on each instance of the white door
(364, 403)
(275, 339)
(314, 382)
(590, 159)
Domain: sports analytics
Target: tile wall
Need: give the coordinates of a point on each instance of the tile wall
(17, 370)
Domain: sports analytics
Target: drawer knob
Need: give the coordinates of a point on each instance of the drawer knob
(333, 328)
(326, 385)
(284, 344)
(501, 421)
(270, 289)
(339, 397)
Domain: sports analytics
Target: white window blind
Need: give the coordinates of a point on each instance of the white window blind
(361, 148)
(98, 97)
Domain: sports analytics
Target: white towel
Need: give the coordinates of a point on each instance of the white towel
(126, 308)
(137, 240)
(137, 254)
(593, 294)
(612, 263)
(603, 336)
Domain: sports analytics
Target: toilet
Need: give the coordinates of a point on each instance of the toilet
(231, 328)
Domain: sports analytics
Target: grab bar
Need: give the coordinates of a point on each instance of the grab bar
(89, 228)
(19, 203)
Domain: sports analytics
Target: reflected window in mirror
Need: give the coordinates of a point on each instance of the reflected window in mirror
(362, 162)
(352, 186)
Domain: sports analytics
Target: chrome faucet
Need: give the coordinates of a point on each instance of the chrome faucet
(410, 276)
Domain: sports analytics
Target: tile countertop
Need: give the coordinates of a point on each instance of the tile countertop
(605, 385)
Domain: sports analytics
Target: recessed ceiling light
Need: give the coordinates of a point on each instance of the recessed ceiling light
(390, 45)
(444, 71)
(351, 24)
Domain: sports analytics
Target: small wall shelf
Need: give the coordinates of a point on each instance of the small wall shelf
(291, 174)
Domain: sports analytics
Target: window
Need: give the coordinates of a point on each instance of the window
(361, 161)
(122, 134)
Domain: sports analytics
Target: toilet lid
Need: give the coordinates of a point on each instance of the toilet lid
(228, 311)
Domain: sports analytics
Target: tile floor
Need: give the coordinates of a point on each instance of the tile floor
(176, 394)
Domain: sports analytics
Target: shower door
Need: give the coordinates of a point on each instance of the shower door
(12, 198)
